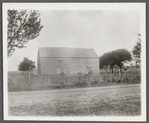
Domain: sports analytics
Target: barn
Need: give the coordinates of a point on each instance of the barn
(55, 60)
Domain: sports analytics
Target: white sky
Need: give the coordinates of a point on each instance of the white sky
(102, 30)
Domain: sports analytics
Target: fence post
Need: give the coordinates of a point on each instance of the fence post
(29, 77)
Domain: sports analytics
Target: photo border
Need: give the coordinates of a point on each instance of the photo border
(85, 6)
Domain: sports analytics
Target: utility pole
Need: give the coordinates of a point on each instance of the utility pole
(48, 76)
(29, 75)
(48, 72)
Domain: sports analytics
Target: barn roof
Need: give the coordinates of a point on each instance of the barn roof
(66, 52)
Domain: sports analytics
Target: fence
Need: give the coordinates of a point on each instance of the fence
(126, 76)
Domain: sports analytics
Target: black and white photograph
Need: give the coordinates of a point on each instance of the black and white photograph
(74, 61)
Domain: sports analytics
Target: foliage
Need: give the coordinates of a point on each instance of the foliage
(22, 27)
(137, 51)
(85, 79)
(89, 71)
(26, 65)
(129, 76)
(120, 56)
(104, 60)
(81, 82)
(62, 74)
(116, 57)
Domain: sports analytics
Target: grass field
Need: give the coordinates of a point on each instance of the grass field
(50, 82)
(122, 100)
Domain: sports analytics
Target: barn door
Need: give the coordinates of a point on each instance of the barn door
(58, 70)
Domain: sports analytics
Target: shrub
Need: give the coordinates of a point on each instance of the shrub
(62, 74)
(81, 80)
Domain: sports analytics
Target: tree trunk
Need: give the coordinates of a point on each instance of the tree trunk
(121, 71)
(112, 69)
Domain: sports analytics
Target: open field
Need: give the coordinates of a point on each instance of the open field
(122, 100)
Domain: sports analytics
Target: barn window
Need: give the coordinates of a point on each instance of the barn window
(58, 70)
(58, 63)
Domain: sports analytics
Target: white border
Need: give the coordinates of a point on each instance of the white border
(77, 6)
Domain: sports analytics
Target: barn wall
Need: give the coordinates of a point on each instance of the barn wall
(68, 65)
(38, 65)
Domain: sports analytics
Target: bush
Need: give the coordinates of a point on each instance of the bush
(62, 74)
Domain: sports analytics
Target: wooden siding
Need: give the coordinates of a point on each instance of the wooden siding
(68, 65)
(38, 65)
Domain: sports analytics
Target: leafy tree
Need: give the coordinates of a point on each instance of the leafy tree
(137, 51)
(22, 27)
(26, 65)
(119, 57)
(116, 57)
(105, 60)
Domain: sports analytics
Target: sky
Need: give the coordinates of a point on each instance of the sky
(102, 30)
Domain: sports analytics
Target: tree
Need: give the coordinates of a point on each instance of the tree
(22, 27)
(105, 60)
(26, 65)
(137, 51)
(117, 57)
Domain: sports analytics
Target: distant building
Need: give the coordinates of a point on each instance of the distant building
(54, 60)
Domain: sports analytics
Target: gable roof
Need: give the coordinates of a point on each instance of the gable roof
(66, 52)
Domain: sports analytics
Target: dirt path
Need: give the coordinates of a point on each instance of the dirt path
(113, 100)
